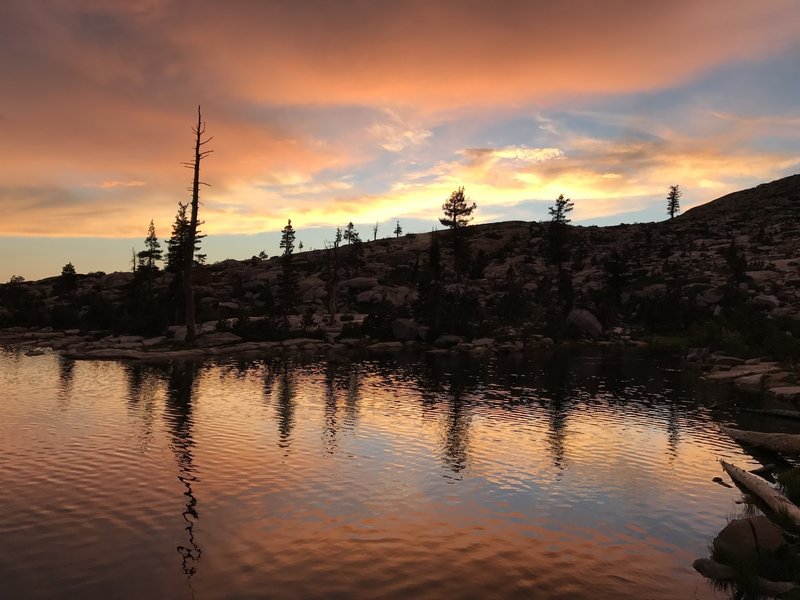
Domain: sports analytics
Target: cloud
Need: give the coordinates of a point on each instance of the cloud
(394, 133)
(348, 110)
(106, 185)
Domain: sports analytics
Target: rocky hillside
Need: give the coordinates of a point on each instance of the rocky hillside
(723, 274)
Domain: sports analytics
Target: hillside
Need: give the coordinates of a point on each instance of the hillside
(725, 274)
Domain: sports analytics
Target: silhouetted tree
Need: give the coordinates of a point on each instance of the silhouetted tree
(398, 230)
(430, 290)
(67, 281)
(673, 206)
(177, 242)
(68, 271)
(457, 215)
(375, 231)
(287, 279)
(188, 250)
(557, 232)
(332, 267)
(737, 263)
(152, 251)
(356, 256)
(457, 210)
(350, 232)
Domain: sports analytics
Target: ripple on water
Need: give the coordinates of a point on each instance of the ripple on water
(579, 477)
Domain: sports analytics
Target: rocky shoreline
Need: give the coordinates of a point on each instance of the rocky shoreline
(762, 376)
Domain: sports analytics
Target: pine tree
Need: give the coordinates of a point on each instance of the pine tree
(287, 279)
(673, 197)
(457, 215)
(176, 243)
(457, 210)
(152, 251)
(349, 232)
(557, 229)
(398, 230)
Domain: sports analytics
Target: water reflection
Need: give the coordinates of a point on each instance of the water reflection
(558, 471)
(178, 417)
(143, 388)
(451, 385)
(285, 406)
(330, 424)
(557, 375)
(66, 376)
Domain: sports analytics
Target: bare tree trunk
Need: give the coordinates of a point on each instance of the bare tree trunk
(188, 250)
(770, 496)
(782, 443)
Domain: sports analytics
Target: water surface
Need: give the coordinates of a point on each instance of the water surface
(563, 476)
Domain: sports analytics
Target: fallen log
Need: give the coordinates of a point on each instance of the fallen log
(783, 443)
(754, 484)
(711, 569)
(776, 412)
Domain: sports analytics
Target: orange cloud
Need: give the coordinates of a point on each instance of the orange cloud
(355, 110)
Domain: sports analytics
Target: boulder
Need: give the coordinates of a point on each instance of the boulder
(789, 392)
(359, 283)
(220, 338)
(385, 347)
(228, 309)
(154, 341)
(405, 330)
(462, 347)
(742, 540)
(311, 288)
(730, 361)
(767, 301)
(447, 340)
(583, 322)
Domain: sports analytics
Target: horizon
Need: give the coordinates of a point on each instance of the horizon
(242, 247)
(375, 113)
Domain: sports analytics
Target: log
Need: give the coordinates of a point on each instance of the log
(776, 412)
(783, 443)
(711, 569)
(754, 484)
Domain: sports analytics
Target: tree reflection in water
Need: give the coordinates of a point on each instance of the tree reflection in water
(143, 388)
(556, 378)
(284, 410)
(331, 410)
(178, 414)
(451, 387)
(66, 374)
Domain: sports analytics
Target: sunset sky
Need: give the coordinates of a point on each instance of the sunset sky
(365, 110)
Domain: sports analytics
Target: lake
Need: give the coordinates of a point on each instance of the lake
(584, 474)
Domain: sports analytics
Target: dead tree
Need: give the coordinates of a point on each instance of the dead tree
(188, 250)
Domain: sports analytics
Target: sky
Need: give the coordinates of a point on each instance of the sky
(374, 112)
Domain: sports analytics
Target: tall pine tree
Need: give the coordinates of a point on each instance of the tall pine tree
(457, 215)
(152, 250)
(287, 279)
(673, 204)
(178, 240)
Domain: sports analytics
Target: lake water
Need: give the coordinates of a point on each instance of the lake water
(584, 475)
